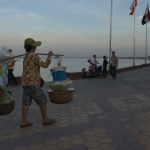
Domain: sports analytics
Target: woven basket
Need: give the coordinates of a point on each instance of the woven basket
(60, 86)
(6, 108)
(61, 97)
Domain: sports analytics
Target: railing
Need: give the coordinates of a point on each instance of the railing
(82, 75)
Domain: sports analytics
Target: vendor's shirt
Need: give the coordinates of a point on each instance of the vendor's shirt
(31, 69)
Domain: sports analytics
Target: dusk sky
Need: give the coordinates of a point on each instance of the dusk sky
(75, 28)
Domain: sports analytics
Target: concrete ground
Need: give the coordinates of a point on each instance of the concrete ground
(105, 114)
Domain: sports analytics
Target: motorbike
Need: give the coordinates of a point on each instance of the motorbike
(93, 70)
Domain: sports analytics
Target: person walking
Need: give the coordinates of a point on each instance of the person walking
(113, 65)
(105, 63)
(31, 81)
(10, 72)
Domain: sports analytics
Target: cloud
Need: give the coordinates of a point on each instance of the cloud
(139, 17)
(24, 0)
(19, 15)
(4, 1)
(1, 22)
(36, 28)
(26, 35)
(85, 7)
(33, 15)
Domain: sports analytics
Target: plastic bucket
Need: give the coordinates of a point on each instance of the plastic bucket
(59, 75)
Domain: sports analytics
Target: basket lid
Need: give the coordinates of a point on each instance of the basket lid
(67, 91)
(61, 68)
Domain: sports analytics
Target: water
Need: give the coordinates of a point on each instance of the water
(73, 65)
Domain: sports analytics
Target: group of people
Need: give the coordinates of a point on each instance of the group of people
(113, 64)
(31, 79)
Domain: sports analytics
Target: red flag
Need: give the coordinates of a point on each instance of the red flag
(132, 6)
(146, 16)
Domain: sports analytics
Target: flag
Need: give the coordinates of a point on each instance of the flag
(146, 17)
(132, 7)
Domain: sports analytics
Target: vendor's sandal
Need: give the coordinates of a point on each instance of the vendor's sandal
(50, 122)
(26, 125)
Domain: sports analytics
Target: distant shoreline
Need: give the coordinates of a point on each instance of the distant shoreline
(118, 57)
(131, 58)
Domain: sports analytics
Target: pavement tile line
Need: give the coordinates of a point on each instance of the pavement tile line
(96, 138)
(136, 101)
(73, 114)
(141, 131)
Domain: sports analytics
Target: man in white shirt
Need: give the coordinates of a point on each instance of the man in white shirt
(93, 60)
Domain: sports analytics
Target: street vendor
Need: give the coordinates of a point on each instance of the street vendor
(31, 81)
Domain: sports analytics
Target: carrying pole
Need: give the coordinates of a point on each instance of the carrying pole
(35, 53)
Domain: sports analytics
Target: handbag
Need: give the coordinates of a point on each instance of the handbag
(41, 82)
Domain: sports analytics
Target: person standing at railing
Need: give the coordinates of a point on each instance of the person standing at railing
(10, 72)
(113, 65)
(105, 63)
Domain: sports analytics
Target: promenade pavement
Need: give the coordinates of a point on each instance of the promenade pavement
(105, 114)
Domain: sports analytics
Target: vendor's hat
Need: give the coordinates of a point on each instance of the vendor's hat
(31, 42)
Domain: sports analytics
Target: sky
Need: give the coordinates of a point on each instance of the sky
(74, 28)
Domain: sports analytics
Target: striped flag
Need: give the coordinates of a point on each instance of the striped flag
(146, 17)
(132, 7)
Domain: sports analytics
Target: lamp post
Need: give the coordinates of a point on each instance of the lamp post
(110, 39)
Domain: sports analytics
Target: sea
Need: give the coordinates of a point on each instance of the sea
(73, 65)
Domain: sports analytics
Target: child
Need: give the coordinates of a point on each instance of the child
(105, 62)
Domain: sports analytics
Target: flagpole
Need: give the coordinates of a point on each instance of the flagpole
(110, 40)
(134, 38)
(146, 39)
(146, 44)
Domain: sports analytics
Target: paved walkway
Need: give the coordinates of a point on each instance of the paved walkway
(105, 114)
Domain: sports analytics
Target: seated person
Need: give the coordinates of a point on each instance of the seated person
(93, 60)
